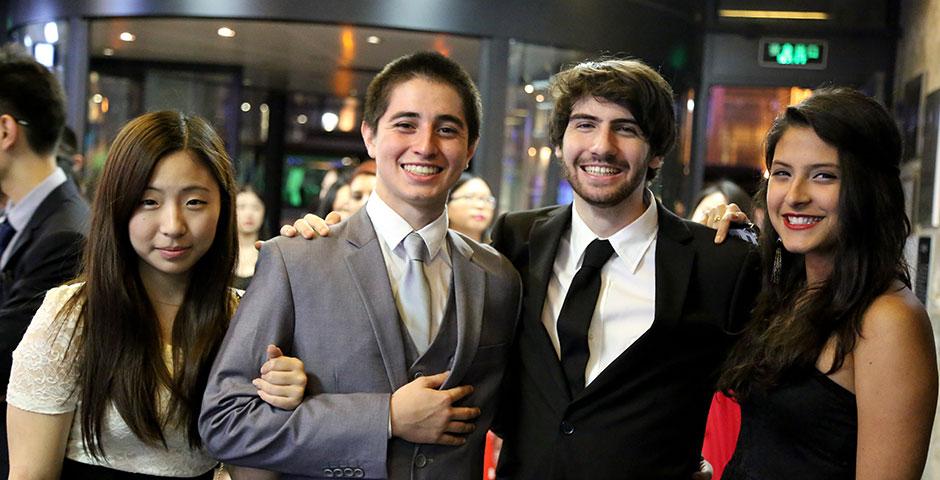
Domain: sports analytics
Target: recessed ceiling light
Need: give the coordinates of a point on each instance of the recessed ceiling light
(540, 98)
(302, 119)
(128, 36)
(51, 31)
(225, 32)
(246, 106)
(374, 40)
(529, 88)
(774, 14)
(108, 52)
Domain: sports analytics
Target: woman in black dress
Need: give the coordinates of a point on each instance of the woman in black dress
(837, 374)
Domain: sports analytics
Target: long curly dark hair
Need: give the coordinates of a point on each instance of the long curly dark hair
(794, 321)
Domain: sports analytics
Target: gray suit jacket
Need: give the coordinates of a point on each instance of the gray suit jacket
(329, 303)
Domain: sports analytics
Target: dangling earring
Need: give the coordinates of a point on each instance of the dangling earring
(778, 264)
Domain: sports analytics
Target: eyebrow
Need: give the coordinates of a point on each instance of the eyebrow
(186, 189)
(440, 118)
(814, 165)
(585, 116)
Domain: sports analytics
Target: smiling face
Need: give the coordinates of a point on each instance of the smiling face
(421, 146)
(605, 155)
(803, 194)
(175, 222)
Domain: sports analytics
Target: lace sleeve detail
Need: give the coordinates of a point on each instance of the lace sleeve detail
(42, 379)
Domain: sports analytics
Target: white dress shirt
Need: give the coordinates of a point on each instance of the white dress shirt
(627, 299)
(391, 230)
(20, 213)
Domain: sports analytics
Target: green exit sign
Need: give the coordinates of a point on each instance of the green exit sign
(793, 53)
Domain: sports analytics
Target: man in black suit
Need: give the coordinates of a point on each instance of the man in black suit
(43, 229)
(628, 310)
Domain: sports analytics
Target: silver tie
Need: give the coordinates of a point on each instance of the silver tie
(414, 296)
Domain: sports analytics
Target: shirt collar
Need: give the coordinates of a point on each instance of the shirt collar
(391, 228)
(630, 243)
(19, 214)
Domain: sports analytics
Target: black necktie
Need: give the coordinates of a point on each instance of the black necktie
(576, 313)
(6, 234)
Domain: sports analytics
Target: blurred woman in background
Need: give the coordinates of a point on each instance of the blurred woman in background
(249, 215)
(471, 206)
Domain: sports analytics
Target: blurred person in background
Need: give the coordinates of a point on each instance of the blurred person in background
(249, 215)
(70, 158)
(718, 193)
(336, 200)
(471, 206)
(361, 185)
(109, 377)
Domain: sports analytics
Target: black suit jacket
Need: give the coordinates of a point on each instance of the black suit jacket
(644, 416)
(46, 254)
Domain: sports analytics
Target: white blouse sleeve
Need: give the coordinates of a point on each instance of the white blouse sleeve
(43, 380)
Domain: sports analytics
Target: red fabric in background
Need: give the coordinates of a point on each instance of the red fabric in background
(491, 455)
(721, 432)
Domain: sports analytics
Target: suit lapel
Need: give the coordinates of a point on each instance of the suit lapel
(673, 268)
(469, 294)
(543, 247)
(376, 295)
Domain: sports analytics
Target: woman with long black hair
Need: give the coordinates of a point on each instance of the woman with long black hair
(837, 373)
(108, 380)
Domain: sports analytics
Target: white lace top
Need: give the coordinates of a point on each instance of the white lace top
(40, 383)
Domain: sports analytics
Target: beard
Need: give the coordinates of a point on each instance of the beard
(611, 196)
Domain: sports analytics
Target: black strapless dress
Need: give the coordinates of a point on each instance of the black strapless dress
(806, 428)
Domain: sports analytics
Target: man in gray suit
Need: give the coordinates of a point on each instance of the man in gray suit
(403, 361)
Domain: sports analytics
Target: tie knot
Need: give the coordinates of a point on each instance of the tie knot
(597, 254)
(415, 247)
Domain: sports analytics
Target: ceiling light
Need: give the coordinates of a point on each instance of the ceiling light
(128, 36)
(44, 53)
(374, 40)
(225, 32)
(97, 98)
(51, 32)
(302, 119)
(108, 52)
(540, 98)
(329, 121)
(246, 106)
(529, 88)
(774, 14)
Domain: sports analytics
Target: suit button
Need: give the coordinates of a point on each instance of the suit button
(417, 374)
(337, 472)
(347, 472)
(328, 472)
(421, 461)
(358, 473)
(567, 428)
